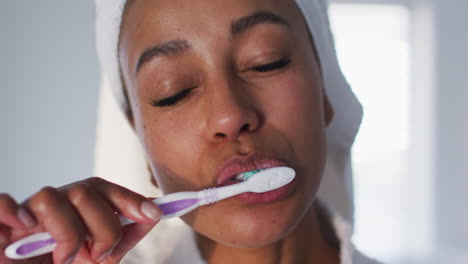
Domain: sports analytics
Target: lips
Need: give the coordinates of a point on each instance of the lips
(238, 165)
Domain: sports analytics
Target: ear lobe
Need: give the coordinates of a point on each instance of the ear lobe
(327, 110)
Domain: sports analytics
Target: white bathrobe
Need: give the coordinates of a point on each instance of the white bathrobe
(120, 158)
(173, 242)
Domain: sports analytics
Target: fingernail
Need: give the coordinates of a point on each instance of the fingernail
(104, 256)
(150, 210)
(26, 218)
(70, 259)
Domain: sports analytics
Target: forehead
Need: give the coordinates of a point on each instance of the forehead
(164, 10)
(147, 23)
(164, 19)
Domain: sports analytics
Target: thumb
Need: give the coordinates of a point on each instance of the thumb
(132, 234)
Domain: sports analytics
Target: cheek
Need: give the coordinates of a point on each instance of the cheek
(295, 105)
(296, 109)
(158, 135)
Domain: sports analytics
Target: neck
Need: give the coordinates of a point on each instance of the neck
(312, 241)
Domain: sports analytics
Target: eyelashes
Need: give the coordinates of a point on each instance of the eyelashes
(176, 98)
(171, 100)
(272, 66)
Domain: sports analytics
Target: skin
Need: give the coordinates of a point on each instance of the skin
(72, 212)
(234, 108)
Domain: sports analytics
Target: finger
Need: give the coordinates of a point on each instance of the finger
(128, 203)
(102, 223)
(59, 218)
(4, 240)
(83, 256)
(13, 215)
(132, 234)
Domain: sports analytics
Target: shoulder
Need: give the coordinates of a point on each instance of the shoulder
(343, 231)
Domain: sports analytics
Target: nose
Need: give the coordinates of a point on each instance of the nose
(232, 112)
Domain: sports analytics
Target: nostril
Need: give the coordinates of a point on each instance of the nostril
(220, 135)
(234, 134)
(245, 128)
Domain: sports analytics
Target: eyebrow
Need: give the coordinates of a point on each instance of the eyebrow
(178, 46)
(173, 47)
(244, 23)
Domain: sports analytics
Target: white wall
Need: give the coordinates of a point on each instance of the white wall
(451, 99)
(49, 86)
(438, 183)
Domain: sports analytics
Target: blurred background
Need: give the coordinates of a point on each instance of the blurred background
(407, 61)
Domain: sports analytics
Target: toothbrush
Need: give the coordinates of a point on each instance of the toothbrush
(172, 205)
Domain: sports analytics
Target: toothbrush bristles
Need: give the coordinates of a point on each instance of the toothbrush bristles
(247, 175)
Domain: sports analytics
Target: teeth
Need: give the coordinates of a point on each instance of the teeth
(247, 175)
(240, 177)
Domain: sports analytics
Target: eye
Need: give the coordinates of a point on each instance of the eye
(272, 66)
(171, 100)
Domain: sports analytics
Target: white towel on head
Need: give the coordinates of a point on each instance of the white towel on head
(120, 158)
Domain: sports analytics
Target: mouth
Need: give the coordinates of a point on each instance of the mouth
(235, 170)
(238, 169)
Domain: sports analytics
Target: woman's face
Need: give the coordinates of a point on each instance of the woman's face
(222, 87)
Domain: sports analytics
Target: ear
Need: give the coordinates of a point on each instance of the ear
(327, 110)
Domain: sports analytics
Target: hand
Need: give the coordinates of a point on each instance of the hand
(82, 218)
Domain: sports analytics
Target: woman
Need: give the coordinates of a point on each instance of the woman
(212, 88)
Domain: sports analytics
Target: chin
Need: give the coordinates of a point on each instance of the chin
(255, 235)
(250, 226)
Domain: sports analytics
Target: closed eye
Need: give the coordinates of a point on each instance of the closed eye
(272, 66)
(171, 100)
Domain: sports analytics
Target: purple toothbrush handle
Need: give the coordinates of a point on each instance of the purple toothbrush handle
(29, 248)
(42, 243)
(176, 206)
